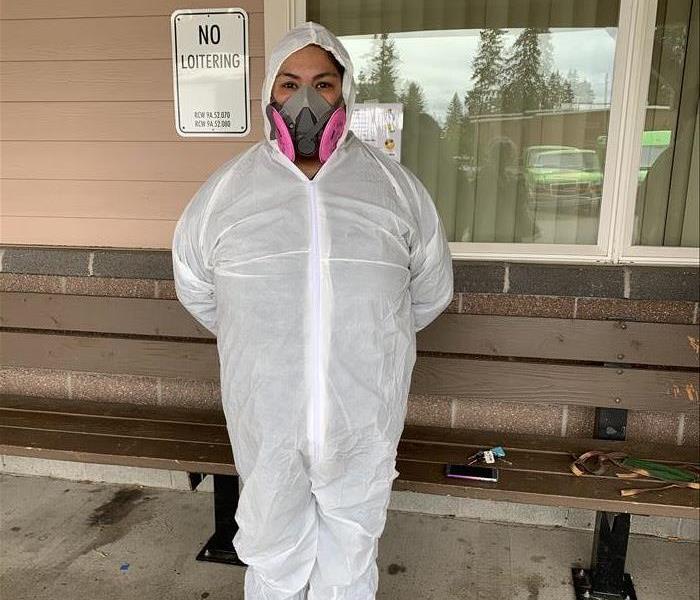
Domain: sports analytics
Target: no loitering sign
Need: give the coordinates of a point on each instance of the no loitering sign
(211, 72)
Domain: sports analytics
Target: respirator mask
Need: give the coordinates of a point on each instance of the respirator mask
(306, 124)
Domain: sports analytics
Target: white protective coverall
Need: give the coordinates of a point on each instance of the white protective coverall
(314, 289)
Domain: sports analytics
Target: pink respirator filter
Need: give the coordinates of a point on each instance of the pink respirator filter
(331, 134)
(329, 139)
(284, 140)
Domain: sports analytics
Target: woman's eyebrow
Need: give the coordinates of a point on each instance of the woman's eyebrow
(327, 74)
(319, 76)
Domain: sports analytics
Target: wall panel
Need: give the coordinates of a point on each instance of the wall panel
(120, 161)
(117, 38)
(88, 150)
(100, 199)
(99, 80)
(95, 121)
(50, 9)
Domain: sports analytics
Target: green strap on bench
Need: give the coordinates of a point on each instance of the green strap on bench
(597, 463)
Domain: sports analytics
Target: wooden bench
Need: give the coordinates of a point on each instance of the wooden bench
(610, 365)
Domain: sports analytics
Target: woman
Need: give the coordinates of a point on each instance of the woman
(314, 259)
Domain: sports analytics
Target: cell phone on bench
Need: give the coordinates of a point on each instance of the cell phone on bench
(472, 472)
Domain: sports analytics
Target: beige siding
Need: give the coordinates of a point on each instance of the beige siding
(93, 121)
(51, 9)
(89, 154)
(98, 81)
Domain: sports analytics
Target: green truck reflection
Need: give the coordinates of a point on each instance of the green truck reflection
(562, 176)
(566, 176)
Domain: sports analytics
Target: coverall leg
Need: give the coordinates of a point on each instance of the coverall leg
(352, 495)
(278, 521)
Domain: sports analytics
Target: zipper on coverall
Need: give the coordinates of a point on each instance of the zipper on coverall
(314, 421)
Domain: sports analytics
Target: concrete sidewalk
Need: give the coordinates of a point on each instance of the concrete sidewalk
(65, 540)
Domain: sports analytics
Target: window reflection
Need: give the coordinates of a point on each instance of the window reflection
(506, 106)
(666, 208)
(508, 144)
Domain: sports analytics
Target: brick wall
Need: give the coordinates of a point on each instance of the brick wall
(647, 294)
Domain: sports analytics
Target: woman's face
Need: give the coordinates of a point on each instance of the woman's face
(309, 66)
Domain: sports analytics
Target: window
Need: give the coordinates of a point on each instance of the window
(666, 209)
(523, 118)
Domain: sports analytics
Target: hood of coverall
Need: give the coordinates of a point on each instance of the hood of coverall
(296, 39)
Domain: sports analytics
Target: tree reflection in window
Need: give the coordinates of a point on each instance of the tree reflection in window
(471, 157)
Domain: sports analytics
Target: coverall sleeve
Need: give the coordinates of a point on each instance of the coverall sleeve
(431, 284)
(194, 284)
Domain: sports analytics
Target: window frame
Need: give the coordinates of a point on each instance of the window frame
(639, 70)
(630, 84)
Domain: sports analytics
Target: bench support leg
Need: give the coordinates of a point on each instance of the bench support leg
(220, 548)
(606, 579)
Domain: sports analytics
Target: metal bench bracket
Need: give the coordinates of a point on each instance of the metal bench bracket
(220, 548)
(606, 579)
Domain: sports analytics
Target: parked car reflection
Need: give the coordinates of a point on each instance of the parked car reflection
(558, 177)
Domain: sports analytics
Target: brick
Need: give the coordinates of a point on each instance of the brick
(137, 264)
(429, 410)
(22, 282)
(648, 426)
(45, 261)
(478, 277)
(108, 286)
(166, 289)
(580, 421)
(46, 383)
(648, 311)
(513, 417)
(189, 393)
(669, 283)
(516, 305)
(691, 430)
(108, 387)
(566, 280)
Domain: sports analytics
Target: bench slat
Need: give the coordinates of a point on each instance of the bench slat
(550, 490)
(660, 344)
(523, 459)
(144, 431)
(472, 439)
(520, 486)
(497, 380)
(540, 473)
(207, 425)
(123, 427)
(642, 389)
(110, 355)
(111, 409)
(111, 450)
(417, 441)
(102, 314)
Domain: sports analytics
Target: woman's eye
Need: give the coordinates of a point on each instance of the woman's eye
(324, 85)
(289, 85)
